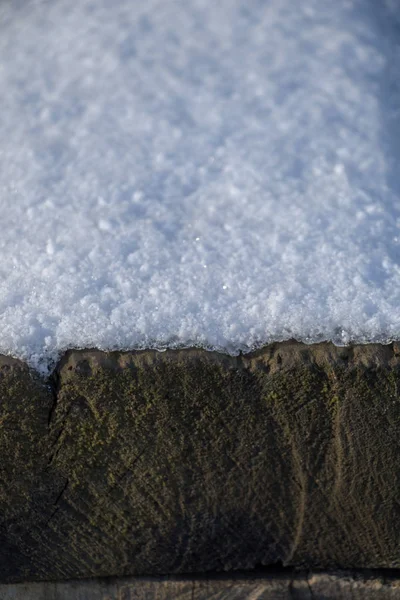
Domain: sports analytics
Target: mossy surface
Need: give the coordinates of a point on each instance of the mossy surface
(151, 463)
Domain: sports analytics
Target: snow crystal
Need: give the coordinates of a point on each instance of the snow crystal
(198, 172)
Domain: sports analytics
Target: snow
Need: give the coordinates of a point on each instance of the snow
(198, 172)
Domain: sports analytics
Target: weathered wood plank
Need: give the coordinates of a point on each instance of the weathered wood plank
(188, 461)
(300, 587)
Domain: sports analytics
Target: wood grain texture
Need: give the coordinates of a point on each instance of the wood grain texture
(146, 463)
(344, 586)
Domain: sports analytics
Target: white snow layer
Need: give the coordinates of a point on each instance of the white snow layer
(219, 173)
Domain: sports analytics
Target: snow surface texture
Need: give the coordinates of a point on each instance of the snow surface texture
(197, 172)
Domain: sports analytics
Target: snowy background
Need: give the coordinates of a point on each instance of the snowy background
(198, 172)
